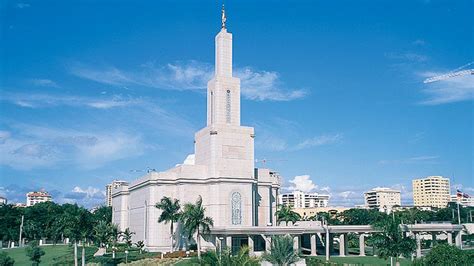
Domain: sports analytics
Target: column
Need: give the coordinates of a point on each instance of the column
(268, 244)
(361, 245)
(251, 246)
(218, 244)
(450, 238)
(328, 250)
(228, 242)
(458, 239)
(433, 239)
(343, 245)
(296, 244)
(418, 245)
(313, 245)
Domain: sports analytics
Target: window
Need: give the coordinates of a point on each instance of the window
(227, 107)
(236, 208)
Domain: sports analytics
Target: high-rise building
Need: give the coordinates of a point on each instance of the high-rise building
(109, 188)
(3, 201)
(299, 199)
(431, 191)
(464, 201)
(382, 199)
(36, 197)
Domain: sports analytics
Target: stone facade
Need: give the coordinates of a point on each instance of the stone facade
(233, 191)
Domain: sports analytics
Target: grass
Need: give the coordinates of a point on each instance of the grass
(367, 260)
(54, 255)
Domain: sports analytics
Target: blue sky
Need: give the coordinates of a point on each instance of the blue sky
(90, 90)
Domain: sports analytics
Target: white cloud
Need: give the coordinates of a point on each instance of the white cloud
(302, 183)
(319, 141)
(422, 159)
(45, 100)
(30, 147)
(191, 75)
(44, 83)
(408, 56)
(22, 5)
(454, 89)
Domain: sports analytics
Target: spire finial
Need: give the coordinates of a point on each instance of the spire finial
(224, 18)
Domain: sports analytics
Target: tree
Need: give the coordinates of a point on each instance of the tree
(170, 213)
(281, 252)
(390, 242)
(286, 214)
(127, 237)
(195, 221)
(102, 233)
(34, 252)
(103, 213)
(6, 260)
(444, 254)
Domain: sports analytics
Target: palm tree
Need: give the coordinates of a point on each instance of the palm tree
(102, 233)
(127, 236)
(282, 252)
(285, 213)
(195, 221)
(390, 242)
(225, 258)
(170, 212)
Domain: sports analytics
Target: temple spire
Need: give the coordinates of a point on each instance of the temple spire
(224, 18)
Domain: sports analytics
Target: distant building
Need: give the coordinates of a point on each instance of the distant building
(382, 199)
(3, 201)
(36, 197)
(308, 212)
(431, 191)
(465, 201)
(299, 199)
(109, 188)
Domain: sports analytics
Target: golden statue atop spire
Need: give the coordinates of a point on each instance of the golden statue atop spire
(224, 18)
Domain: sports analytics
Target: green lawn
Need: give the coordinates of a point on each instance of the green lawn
(58, 254)
(367, 260)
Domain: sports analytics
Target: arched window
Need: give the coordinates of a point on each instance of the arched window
(236, 208)
(227, 107)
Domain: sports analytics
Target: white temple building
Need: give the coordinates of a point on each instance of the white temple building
(234, 192)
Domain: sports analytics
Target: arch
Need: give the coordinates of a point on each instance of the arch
(236, 204)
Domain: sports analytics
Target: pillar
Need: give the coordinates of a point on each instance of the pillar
(313, 245)
(343, 245)
(296, 244)
(418, 245)
(219, 246)
(458, 239)
(450, 238)
(361, 245)
(268, 244)
(328, 249)
(251, 246)
(433, 239)
(228, 242)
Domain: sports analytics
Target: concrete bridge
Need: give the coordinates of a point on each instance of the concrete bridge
(309, 236)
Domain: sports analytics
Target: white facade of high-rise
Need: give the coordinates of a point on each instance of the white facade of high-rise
(465, 201)
(299, 199)
(382, 199)
(431, 191)
(36, 197)
(233, 192)
(109, 188)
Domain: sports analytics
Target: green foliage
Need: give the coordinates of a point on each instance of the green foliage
(286, 214)
(444, 254)
(103, 233)
(103, 213)
(225, 258)
(6, 260)
(127, 237)
(390, 242)
(140, 245)
(34, 252)
(281, 252)
(195, 221)
(360, 216)
(170, 213)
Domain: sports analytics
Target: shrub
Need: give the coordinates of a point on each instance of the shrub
(34, 252)
(6, 260)
(444, 254)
